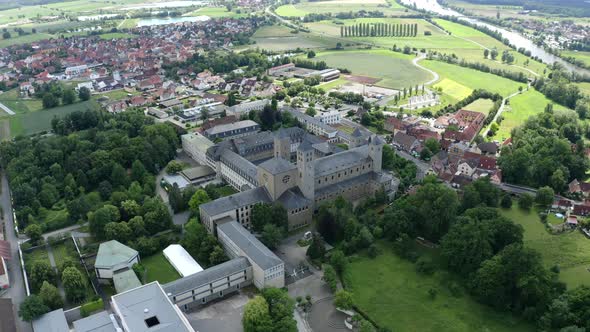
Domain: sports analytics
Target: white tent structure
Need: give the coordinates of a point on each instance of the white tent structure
(182, 261)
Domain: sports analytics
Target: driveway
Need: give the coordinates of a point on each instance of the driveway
(17, 287)
(295, 259)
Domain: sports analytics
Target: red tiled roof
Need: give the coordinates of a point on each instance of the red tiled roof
(5, 249)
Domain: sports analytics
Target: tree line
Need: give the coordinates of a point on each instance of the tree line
(379, 30)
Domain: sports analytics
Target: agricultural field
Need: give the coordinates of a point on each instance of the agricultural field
(16, 39)
(395, 70)
(519, 109)
(340, 6)
(280, 38)
(216, 12)
(396, 296)
(571, 250)
(489, 10)
(480, 105)
(465, 42)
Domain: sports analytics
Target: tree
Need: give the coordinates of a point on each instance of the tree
(316, 249)
(281, 308)
(525, 201)
(40, 271)
(174, 167)
(101, 217)
(6, 35)
(433, 145)
(34, 232)
(84, 93)
(271, 235)
(74, 284)
(338, 261)
(217, 256)
(506, 201)
(199, 197)
(49, 100)
(266, 213)
(69, 97)
(544, 196)
(119, 231)
(486, 53)
(494, 53)
(343, 300)
(32, 308)
(310, 54)
(50, 296)
(330, 277)
(257, 316)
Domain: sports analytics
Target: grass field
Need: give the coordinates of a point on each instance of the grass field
(480, 105)
(571, 251)
(396, 296)
(584, 87)
(471, 78)
(582, 56)
(158, 268)
(520, 108)
(339, 6)
(12, 100)
(395, 70)
(36, 121)
(15, 40)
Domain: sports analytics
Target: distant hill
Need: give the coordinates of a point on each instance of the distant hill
(578, 8)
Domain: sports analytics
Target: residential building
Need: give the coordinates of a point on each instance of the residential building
(4, 279)
(53, 321)
(246, 107)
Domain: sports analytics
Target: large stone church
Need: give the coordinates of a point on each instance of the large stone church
(304, 173)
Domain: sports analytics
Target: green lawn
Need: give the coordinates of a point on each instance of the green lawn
(480, 105)
(280, 38)
(392, 293)
(36, 255)
(333, 84)
(520, 108)
(571, 251)
(158, 268)
(17, 40)
(18, 105)
(40, 120)
(395, 70)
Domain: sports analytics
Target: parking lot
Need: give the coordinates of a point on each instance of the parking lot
(224, 315)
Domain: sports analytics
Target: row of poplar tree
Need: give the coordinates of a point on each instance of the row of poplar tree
(379, 30)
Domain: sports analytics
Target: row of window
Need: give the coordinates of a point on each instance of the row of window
(273, 275)
(346, 172)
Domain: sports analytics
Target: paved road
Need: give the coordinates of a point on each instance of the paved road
(435, 76)
(6, 109)
(422, 166)
(498, 113)
(17, 290)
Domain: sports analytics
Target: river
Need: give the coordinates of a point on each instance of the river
(514, 38)
(170, 20)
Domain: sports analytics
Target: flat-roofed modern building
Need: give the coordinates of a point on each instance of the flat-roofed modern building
(53, 321)
(268, 270)
(148, 308)
(215, 282)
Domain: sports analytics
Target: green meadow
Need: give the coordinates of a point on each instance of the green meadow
(391, 292)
